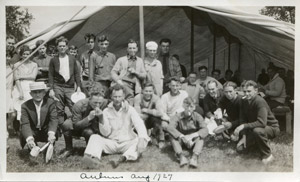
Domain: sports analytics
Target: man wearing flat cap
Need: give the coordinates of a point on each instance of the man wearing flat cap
(38, 117)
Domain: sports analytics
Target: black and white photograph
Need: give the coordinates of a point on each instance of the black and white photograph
(149, 92)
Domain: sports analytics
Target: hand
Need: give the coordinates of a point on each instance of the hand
(21, 97)
(31, 143)
(144, 110)
(52, 95)
(191, 136)
(165, 117)
(132, 70)
(261, 89)
(184, 139)
(78, 89)
(227, 125)
(51, 138)
(141, 146)
(120, 82)
(92, 115)
(98, 112)
(238, 129)
(182, 79)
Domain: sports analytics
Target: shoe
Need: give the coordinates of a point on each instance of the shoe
(194, 161)
(268, 159)
(90, 162)
(183, 160)
(116, 163)
(66, 154)
(161, 144)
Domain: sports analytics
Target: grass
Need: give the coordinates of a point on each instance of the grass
(218, 158)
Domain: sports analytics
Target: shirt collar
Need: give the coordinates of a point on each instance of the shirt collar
(133, 58)
(153, 63)
(41, 103)
(124, 106)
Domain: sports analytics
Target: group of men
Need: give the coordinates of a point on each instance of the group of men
(127, 105)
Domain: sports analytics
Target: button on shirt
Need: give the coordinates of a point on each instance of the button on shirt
(64, 70)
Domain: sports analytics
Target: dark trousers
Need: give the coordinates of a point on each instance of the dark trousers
(177, 145)
(273, 103)
(38, 135)
(155, 123)
(260, 137)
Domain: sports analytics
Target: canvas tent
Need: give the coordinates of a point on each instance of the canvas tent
(253, 40)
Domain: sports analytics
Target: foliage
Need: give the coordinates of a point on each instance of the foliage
(17, 22)
(283, 13)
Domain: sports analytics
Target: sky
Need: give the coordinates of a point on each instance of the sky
(46, 16)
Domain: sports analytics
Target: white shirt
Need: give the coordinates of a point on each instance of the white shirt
(38, 112)
(173, 104)
(64, 69)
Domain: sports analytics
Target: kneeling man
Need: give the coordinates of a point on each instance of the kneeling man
(188, 128)
(119, 120)
(38, 117)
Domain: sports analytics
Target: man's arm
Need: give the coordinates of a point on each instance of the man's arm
(53, 122)
(104, 126)
(138, 124)
(78, 121)
(51, 73)
(25, 123)
(76, 73)
(207, 112)
(261, 121)
(115, 71)
(277, 90)
(172, 127)
(92, 63)
(142, 72)
(203, 131)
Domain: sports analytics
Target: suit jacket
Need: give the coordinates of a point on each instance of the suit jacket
(57, 79)
(48, 117)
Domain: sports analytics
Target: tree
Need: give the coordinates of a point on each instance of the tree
(17, 22)
(283, 13)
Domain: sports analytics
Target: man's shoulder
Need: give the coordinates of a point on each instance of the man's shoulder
(183, 93)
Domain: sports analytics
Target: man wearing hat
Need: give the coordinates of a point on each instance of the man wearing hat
(153, 68)
(38, 117)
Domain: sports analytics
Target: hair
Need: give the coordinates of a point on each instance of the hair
(230, 84)
(148, 84)
(174, 78)
(189, 101)
(249, 83)
(192, 72)
(73, 47)
(273, 68)
(202, 67)
(212, 81)
(131, 41)
(96, 90)
(216, 70)
(61, 39)
(165, 40)
(175, 56)
(228, 71)
(89, 36)
(23, 49)
(40, 42)
(51, 49)
(103, 38)
(243, 83)
(117, 87)
(10, 37)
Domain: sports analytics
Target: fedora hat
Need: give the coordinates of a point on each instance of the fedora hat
(38, 86)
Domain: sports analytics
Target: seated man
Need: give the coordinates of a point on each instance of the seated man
(188, 128)
(212, 99)
(149, 107)
(259, 123)
(85, 118)
(118, 121)
(38, 117)
(194, 90)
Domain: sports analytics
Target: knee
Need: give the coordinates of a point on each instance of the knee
(67, 125)
(164, 125)
(258, 131)
(87, 133)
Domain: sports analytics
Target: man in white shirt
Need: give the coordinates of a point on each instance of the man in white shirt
(117, 135)
(38, 117)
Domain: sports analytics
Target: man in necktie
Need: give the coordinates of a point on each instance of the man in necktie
(42, 60)
(38, 117)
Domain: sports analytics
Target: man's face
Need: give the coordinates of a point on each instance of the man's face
(73, 52)
(216, 75)
(132, 49)
(103, 46)
(230, 93)
(188, 109)
(250, 92)
(10, 44)
(152, 53)
(62, 47)
(91, 44)
(37, 95)
(147, 93)
(25, 54)
(174, 87)
(203, 73)
(228, 76)
(192, 78)
(271, 73)
(118, 97)
(42, 50)
(95, 101)
(212, 89)
(165, 47)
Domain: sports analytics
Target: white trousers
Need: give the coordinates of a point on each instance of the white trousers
(98, 144)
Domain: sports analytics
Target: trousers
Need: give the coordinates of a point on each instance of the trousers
(177, 145)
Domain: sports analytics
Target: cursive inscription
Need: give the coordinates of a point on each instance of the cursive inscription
(99, 176)
(147, 178)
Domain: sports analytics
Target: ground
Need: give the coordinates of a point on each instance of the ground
(219, 158)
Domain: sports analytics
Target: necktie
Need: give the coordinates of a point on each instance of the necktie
(165, 70)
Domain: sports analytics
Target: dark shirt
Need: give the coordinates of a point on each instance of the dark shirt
(263, 78)
(211, 104)
(232, 109)
(257, 113)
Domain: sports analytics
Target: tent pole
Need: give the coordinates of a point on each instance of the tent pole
(142, 37)
(214, 48)
(229, 45)
(239, 64)
(192, 39)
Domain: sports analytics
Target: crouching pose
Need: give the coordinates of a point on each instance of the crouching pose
(118, 121)
(188, 128)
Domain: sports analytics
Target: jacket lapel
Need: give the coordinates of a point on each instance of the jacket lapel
(43, 113)
(33, 113)
(57, 63)
(71, 65)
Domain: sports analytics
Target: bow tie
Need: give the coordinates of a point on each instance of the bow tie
(132, 58)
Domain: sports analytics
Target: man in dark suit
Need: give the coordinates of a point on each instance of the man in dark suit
(63, 73)
(38, 117)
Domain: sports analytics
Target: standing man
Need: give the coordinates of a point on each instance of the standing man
(39, 117)
(259, 123)
(188, 128)
(204, 78)
(100, 68)
(129, 71)
(153, 68)
(149, 107)
(170, 64)
(63, 74)
(116, 128)
(10, 46)
(43, 61)
(227, 77)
